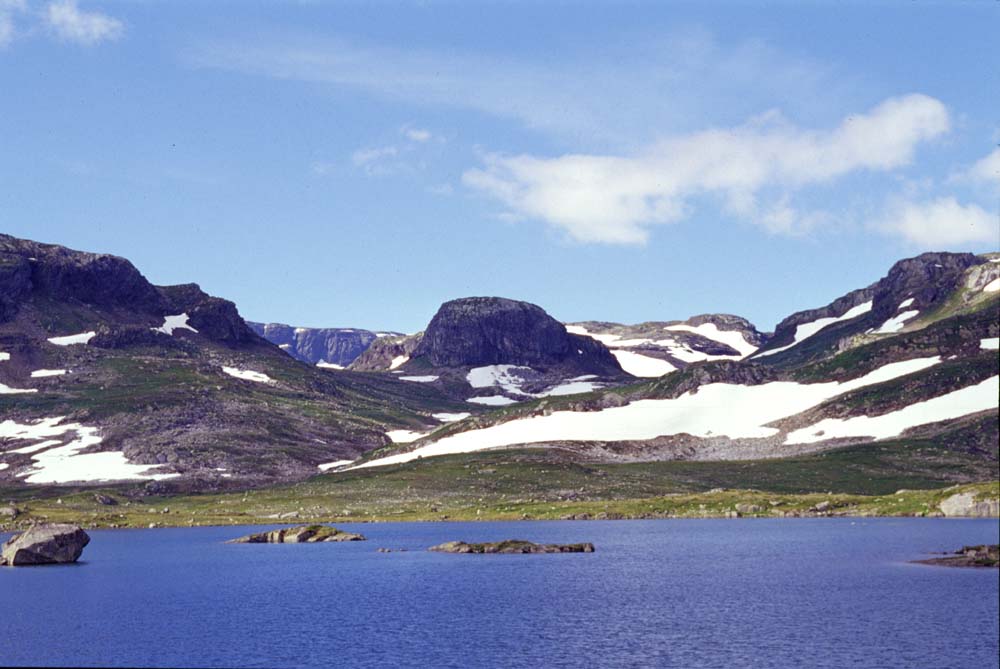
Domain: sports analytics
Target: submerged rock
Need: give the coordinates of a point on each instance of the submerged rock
(45, 544)
(303, 534)
(969, 556)
(511, 546)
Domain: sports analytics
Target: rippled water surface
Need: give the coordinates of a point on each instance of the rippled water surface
(681, 593)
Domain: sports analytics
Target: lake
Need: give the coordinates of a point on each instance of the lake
(666, 593)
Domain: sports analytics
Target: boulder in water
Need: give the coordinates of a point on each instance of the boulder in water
(45, 544)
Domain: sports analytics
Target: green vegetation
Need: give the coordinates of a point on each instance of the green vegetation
(548, 485)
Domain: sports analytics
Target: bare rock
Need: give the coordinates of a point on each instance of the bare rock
(55, 543)
(511, 546)
(302, 534)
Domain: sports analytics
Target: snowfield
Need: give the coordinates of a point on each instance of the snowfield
(336, 464)
(7, 390)
(896, 323)
(450, 417)
(171, 323)
(994, 285)
(70, 340)
(640, 365)
(328, 365)
(716, 409)
(806, 330)
(492, 400)
(248, 375)
(730, 338)
(60, 461)
(399, 360)
(958, 403)
(42, 373)
(420, 379)
(403, 436)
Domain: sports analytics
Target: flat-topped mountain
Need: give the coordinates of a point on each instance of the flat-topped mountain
(476, 331)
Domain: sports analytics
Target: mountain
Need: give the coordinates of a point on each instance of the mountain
(104, 376)
(657, 348)
(861, 370)
(326, 347)
(495, 351)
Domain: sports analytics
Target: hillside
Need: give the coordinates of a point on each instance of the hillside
(104, 376)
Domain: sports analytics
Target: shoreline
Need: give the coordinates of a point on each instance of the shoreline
(278, 507)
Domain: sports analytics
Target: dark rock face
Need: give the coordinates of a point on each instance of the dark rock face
(59, 273)
(929, 279)
(511, 547)
(45, 544)
(303, 534)
(340, 346)
(212, 317)
(478, 331)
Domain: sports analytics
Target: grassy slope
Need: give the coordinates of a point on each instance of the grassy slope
(540, 484)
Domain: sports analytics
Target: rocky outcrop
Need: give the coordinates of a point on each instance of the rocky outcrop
(986, 555)
(212, 317)
(511, 546)
(476, 331)
(965, 505)
(922, 283)
(379, 356)
(339, 346)
(303, 534)
(45, 544)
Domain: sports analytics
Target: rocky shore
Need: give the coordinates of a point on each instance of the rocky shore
(510, 547)
(986, 555)
(303, 534)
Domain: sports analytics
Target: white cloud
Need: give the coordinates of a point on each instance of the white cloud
(613, 199)
(377, 161)
(71, 24)
(939, 223)
(8, 8)
(417, 134)
(985, 170)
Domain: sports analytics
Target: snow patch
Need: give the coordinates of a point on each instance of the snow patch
(503, 376)
(905, 303)
(7, 390)
(994, 285)
(65, 464)
(4, 356)
(990, 344)
(731, 338)
(399, 360)
(979, 397)
(42, 373)
(171, 323)
(492, 400)
(322, 364)
(644, 366)
(716, 409)
(450, 417)
(806, 330)
(570, 388)
(896, 323)
(403, 436)
(248, 375)
(336, 464)
(419, 379)
(69, 340)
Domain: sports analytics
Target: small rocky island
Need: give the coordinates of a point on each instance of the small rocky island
(986, 555)
(511, 546)
(303, 534)
(53, 543)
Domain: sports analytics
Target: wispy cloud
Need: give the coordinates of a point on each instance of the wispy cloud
(984, 171)
(623, 96)
(417, 134)
(8, 9)
(616, 199)
(71, 24)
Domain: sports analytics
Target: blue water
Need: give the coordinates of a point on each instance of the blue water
(669, 593)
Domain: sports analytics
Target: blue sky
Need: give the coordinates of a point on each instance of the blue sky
(356, 164)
